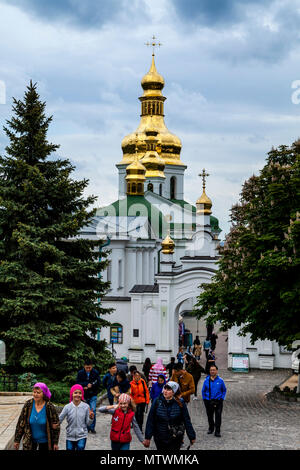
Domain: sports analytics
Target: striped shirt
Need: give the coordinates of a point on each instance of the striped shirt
(155, 372)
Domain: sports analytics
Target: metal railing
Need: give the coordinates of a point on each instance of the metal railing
(8, 383)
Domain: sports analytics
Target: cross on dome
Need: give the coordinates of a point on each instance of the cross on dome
(203, 175)
(153, 44)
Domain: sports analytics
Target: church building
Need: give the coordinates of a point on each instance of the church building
(161, 248)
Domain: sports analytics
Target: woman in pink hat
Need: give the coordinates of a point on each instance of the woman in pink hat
(123, 417)
(79, 417)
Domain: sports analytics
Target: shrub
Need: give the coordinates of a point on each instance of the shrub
(26, 382)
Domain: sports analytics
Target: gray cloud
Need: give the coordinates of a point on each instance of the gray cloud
(242, 30)
(228, 84)
(84, 14)
(214, 12)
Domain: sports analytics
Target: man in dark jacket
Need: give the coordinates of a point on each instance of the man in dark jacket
(108, 381)
(89, 379)
(170, 366)
(213, 340)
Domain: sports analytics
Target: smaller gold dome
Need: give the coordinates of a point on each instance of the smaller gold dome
(168, 245)
(135, 177)
(154, 164)
(152, 80)
(207, 204)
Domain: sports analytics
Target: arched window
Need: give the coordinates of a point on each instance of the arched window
(160, 189)
(133, 188)
(173, 188)
(116, 333)
(150, 187)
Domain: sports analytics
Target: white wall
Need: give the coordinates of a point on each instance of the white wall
(256, 351)
(121, 315)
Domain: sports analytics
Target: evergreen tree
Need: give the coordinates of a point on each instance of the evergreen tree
(257, 285)
(49, 277)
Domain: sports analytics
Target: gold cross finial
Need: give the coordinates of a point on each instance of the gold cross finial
(203, 176)
(153, 43)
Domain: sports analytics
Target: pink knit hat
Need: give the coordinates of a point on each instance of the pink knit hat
(76, 387)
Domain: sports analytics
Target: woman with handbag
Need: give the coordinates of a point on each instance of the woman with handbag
(168, 419)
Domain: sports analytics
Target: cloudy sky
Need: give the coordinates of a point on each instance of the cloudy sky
(231, 68)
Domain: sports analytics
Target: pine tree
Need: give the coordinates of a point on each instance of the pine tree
(49, 276)
(257, 285)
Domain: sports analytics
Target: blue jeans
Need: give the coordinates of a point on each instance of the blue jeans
(92, 402)
(76, 445)
(119, 446)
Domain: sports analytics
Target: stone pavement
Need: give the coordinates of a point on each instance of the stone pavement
(11, 404)
(249, 420)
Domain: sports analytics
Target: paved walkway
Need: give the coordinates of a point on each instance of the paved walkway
(11, 405)
(250, 421)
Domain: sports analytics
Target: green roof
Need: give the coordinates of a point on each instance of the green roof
(138, 206)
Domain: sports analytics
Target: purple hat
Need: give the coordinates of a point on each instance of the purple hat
(44, 389)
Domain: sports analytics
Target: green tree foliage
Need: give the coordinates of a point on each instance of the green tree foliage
(257, 285)
(49, 277)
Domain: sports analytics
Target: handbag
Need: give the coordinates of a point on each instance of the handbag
(176, 430)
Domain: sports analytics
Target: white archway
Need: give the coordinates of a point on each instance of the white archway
(174, 290)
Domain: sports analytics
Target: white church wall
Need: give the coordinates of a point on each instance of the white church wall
(177, 172)
(263, 354)
(122, 316)
(201, 245)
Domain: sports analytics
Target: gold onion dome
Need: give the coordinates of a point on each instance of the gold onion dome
(168, 245)
(204, 204)
(152, 115)
(151, 160)
(135, 177)
(152, 80)
(207, 204)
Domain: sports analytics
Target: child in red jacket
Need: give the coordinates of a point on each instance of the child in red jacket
(122, 420)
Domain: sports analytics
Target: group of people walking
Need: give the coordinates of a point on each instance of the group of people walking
(129, 392)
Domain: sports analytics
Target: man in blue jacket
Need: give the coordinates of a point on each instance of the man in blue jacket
(213, 394)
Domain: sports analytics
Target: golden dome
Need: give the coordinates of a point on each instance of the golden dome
(135, 177)
(151, 160)
(152, 115)
(152, 80)
(168, 245)
(204, 199)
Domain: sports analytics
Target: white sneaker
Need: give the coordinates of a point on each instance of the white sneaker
(195, 398)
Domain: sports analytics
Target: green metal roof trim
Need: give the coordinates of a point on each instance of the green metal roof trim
(136, 206)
